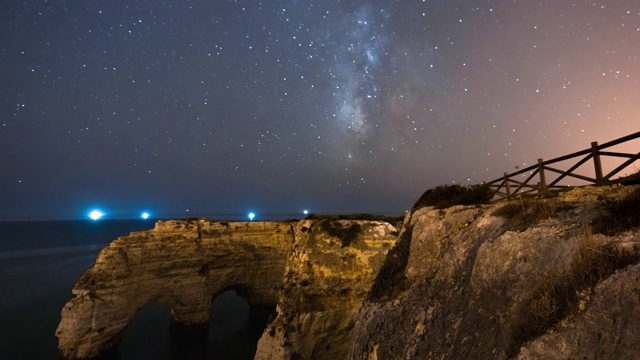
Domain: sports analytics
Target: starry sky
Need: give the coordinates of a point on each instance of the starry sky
(186, 108)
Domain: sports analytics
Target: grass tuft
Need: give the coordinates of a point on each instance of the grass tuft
(619, 215)
(558, 293)
(526, 212)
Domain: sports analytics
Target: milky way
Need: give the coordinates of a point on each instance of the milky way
(203, 108)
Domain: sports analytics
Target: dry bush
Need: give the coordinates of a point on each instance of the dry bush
(445, 196)
(362, 216)
(619, 215)
(525, 212)
(557, 294)
(346, 234)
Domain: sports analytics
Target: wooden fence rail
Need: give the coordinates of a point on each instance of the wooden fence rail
(505, 185)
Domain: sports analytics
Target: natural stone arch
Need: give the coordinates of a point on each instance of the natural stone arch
(151, 324)
(152, 332)
(179, 263)
(229, 314)
(233, 316)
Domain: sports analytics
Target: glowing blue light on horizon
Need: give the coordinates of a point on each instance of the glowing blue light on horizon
(145, 215)
(251, 216)
(306, 212)
(96, 214)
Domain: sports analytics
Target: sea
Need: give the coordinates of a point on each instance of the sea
(40, 262)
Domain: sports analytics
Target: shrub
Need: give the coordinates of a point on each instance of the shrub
(524, 213)
(347, 235)
(313, 216)
(391, 280)
(558, 292)
(369, 217)
(445, 196)
(633, 179)
(619, 215)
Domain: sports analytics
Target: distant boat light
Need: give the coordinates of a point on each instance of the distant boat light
(306, 212)
(145, 215)
(96, 214)
(251, 216)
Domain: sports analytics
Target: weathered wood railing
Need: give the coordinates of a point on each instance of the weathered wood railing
(505, 185)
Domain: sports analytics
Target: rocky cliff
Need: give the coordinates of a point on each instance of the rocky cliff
(552, 278)
(526, 279)
(182, 264)
(328, 275)
(317, 272)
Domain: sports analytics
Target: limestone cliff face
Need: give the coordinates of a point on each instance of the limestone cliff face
(317, 272)
(327, 278)
(182, 264)
(525, 279)
(479, 286)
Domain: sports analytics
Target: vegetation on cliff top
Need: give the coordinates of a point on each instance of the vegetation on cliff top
(445, 196)
(368, 217)
(619, 215)
(346, 234)
(526, 212)
(560, 291)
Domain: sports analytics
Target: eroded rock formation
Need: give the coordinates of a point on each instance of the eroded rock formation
(534, 284)
(182, 264)
(326, 281)
(523, 279)
(330, 265)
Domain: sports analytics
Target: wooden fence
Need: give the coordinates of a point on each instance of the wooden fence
(507, 186)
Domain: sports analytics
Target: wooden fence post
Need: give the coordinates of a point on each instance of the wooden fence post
(543, 182)
(507, 186)
(597, 163)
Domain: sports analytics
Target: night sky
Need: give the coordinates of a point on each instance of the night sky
(186, 108)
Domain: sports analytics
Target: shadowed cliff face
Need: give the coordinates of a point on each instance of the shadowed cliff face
(182, 264)
(526, 279)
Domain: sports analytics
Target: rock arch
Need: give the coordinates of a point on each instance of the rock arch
(147, 335)
(233, 317)
(183, 264)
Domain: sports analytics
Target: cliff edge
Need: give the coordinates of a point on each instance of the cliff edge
(317, 273)
(552, 278)
(182, 264)
(329, 272)
(529, 279)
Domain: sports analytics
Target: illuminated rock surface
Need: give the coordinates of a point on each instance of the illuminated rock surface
(324, 286)
(185, 264)
(182, 264)
(462, 282)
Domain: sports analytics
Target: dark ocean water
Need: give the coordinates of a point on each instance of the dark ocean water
(39, 264)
